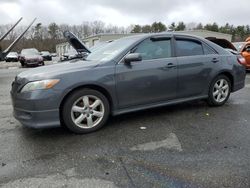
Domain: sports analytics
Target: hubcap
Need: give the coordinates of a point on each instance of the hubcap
(87, 111)
(221, 90)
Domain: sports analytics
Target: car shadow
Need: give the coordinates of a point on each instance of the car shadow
(116, 122)
(159, 111)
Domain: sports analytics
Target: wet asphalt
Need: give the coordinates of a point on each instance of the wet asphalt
(185, 145)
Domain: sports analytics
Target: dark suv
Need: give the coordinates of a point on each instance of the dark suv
(125, 75)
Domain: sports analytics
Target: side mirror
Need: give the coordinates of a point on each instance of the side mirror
(132, 57)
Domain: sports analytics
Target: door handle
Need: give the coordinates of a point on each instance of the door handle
(215, 60)
(170, 65)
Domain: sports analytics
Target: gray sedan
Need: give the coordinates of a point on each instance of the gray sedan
(126, 75)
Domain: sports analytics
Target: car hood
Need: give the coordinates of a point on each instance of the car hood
(75, 42)
(56, 70)
(11, 56)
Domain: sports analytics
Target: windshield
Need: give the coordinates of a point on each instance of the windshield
(29, 52)
(110, 50)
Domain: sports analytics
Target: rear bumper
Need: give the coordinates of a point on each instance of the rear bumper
(11, 59)
(238, 86)
(239, 78)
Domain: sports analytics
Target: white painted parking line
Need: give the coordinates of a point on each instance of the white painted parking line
(171, 142)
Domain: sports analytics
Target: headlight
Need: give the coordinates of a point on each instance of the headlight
(42, 84)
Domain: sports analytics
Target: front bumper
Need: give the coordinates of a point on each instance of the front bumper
(33, 62)
(37, 119)
(37, 109)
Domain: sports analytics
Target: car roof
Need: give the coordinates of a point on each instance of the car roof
(177, 34)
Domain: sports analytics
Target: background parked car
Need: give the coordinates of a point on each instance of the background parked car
(31, 57)
(12, 57)
(46, 55)
(72, 54)
(244, 49)
(53, 54)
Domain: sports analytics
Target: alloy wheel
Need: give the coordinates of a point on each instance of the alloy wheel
(87, 111)
(221, 90)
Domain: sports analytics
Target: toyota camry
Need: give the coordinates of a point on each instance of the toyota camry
(126, 75)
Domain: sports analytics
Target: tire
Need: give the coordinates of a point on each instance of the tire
(42, 63)
(85, 111)
(219, 91)
(22, 63)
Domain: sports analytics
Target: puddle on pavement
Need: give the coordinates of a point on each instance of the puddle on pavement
(171, 142)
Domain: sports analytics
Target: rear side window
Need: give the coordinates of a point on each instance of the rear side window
(208, 50)
(154, 49)
(185, 47)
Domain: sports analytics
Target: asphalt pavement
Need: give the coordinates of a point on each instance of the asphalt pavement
(185, 145)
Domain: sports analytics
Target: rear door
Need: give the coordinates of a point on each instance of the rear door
(151, 80)
(196, 62)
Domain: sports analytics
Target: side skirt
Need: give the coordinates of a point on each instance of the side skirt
(155, 105)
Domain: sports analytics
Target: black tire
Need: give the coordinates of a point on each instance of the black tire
(22, 63)
(66, 115)
(211, 99)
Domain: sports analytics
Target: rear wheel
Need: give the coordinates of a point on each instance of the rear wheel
(219, 91)
(85, 111)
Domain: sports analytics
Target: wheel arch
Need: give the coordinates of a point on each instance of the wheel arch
(87, 86)
(227, 74)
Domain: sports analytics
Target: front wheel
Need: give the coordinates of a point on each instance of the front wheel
(219, 91)
(85, 111)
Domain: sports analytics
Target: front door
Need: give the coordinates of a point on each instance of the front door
(151, 80)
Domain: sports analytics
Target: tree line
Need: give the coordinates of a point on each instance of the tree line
(239, 33)
(45, 37)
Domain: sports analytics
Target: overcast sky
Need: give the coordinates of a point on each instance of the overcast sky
(126, 12)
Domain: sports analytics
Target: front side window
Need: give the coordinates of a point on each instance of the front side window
(185, 47)
(154, 49)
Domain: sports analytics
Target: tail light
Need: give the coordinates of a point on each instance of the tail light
(241, 60)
